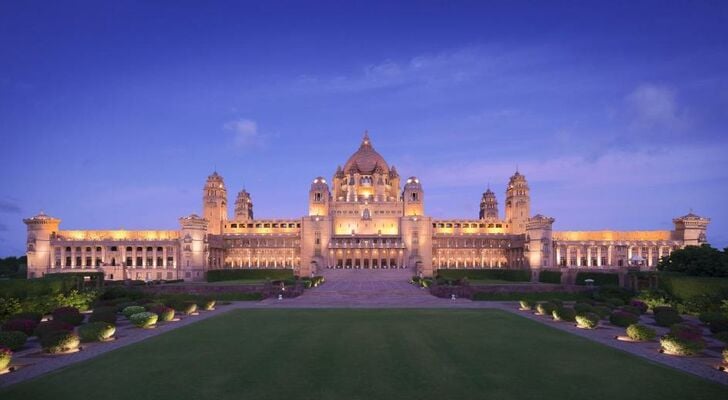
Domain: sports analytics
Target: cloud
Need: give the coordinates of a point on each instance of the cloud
(655, 106)
(245, 132)
(9, 206)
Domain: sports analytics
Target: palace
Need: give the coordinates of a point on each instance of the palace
(367, 217)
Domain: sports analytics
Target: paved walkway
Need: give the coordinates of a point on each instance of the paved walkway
(366, 290)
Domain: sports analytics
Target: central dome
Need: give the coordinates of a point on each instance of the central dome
(366, 159)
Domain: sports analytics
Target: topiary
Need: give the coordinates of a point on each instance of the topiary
(526, 304)
(124, 304)
(564, 314)
(587, 321)
(6, 355)
(615, 302)
(59, 342)
(208, 305)
(682, 346)
(582, 308)
(719, 326)
(96, 332)
(602, 311)
(22, 325)
(623, 319)
(557, 303)
(164, 313)
(131, 310)
(641, 332)
(103, 314)
(667, 317)
(13, 340)
(70, 315)
(639, 305)
(686, 329)
(144, 319)
(631, 310)
(722, 336)
(189, 307)
(47, 327)
(33, 316)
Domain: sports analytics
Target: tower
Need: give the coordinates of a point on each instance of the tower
(194, 249)
(214, 203)
(690, 229)
(41, 230)
(413, 197)
(489, 206)
(518, 203)
(538, 242)
(243, 206)
(318, 198)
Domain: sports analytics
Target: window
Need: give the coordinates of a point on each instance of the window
(113, 248)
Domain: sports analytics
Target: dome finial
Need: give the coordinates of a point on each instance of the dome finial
(365, 140)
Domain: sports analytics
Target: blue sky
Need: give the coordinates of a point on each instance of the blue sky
(112, 114)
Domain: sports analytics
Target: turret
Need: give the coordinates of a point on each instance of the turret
(243, 206)
(413, 197)
(518, 203)
(691, 229)
(488, 206)
(319, 198)
(193, 247)
(539, 242)
(41, 229)
(214, 203)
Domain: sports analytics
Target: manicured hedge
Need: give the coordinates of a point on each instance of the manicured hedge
(60, 341)
(13, 340)
(587, 321)
(96, 331)
(512, 275)
(249, 274)
(600, 278)
(640, 332)
(684, 287)
(549, 277)
(28, 288)
(144, 319)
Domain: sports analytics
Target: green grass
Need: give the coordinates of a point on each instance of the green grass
(543, 296)
(367, 354)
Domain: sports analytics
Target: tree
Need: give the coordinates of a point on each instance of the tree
(697, 261)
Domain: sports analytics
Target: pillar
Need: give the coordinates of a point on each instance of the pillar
(599, 256)
(578, 256)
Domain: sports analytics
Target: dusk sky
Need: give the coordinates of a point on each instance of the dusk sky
(112, 114)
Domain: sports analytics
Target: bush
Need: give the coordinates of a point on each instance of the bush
(545, 308)
(696, 260)
(681, 346)
(641, 306)
(582, 308)
(722, 336)
(59, 342)
(13, 340)
(557, 303)
(124, 304)
(667, 317)
(641, 332)
(6, 355)
(96, 332)
(725, 356)
(623, 319)
(710, 316)
(564, 314)
(683, 287)
(549, 277)
(9, 307)
(719, 326)
(189, 307)
(33, 316)
(248, 274)
(164, 313)
(526, 304)
(512, 275)
(587, 321)
(600, 278)
(631, 310)
(144, 319)
(131, 310)
(687, 329)
(28, 288)
(603, 311)
(103, 316)
(47, 327)
(69, 315)
(654, 298)
(615, 302)
(22, 325)
(207, 305)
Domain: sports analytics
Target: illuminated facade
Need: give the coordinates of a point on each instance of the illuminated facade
(367, 219)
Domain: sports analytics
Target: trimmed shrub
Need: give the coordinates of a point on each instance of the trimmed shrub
(641, 332)
(654, 298)
(48, 327)
(564, 314)
(684, 287)
(710, 316)
(667, 317)
(6, 355)
(725, 356)
(623, 319)
(722, 336)
(600, 278)
(526, 304)
(249, 274)
(151, 305)
(682, 346)
(545, 308)
(96, 331)
(659, 309)
(631, 310)
(59, 342)
(512, 275)
(602, 311)
(687, 329)
(70, 315)
(121, 306)
(719, 326)
(33, 316)
(13, 340)
(131, 310)
(207, 305)
(9, 307)
(587, 321)
(557, 303)
(103, 316)
(144, 319)
(164, 313)
(189, 307)
(639, 305)
(22, 325)
(549, 277)
(582, 308)
(615, 302)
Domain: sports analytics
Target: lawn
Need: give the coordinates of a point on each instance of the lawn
(367, 354)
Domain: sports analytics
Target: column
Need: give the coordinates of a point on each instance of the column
(659, 253)
(558, 256)
(164, 257)
(629, 253)
(578, 256)
(599, 256)
(609, 255)
(588, 256)
(649, 256)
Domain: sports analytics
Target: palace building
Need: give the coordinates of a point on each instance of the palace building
(365, 217)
